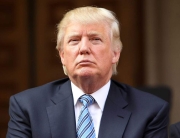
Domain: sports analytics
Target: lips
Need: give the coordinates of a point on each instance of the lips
(85, 62)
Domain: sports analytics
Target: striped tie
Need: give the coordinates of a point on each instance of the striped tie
(85, 126)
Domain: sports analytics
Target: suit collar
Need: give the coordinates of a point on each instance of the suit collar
(61, 114)
(115, 116)
(113, 122)
(61, 95)
(117, 95)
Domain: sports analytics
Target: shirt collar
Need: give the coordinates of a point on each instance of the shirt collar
(100, 95)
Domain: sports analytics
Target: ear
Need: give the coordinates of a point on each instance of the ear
(116, 56)
(61, 54)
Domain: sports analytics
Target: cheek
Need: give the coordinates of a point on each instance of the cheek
(70, 56)
(104, 58)
(106, 53)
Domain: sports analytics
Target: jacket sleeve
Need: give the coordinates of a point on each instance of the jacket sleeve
(174, 131)
(19, 125)
(158, 126)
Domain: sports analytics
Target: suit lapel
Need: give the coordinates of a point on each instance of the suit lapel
(115, 117)
(61, 115)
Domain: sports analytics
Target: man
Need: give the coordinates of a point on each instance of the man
(174, 130)
(89, 47)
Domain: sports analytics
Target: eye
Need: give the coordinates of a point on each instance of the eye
(73, 41)
(96, 40)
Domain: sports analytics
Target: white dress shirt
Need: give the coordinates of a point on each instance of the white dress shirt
(95, 109)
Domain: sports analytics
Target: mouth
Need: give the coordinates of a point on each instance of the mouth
(85, 62)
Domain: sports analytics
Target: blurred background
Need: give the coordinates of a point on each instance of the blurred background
(150, 33)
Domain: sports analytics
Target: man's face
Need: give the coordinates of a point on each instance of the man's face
(87, 51)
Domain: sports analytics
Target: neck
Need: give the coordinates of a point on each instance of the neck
(90, 85)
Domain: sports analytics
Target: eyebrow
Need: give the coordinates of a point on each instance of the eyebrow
(94, 33)
(73, 34)
(77, 34)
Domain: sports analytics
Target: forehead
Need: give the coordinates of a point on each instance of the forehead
(89, 29)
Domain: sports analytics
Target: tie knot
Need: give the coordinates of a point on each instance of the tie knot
(86, 100)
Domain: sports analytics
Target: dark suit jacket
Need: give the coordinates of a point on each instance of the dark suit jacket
(48, 112)
(175, 130)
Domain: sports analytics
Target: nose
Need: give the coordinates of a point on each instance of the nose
(84, 46)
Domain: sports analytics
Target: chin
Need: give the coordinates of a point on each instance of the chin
(86, 73)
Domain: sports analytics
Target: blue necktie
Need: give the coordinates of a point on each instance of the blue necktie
(85, 126)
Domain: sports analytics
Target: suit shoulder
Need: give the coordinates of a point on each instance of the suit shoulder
(177, 125)
(46, 89)
(133, 94)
